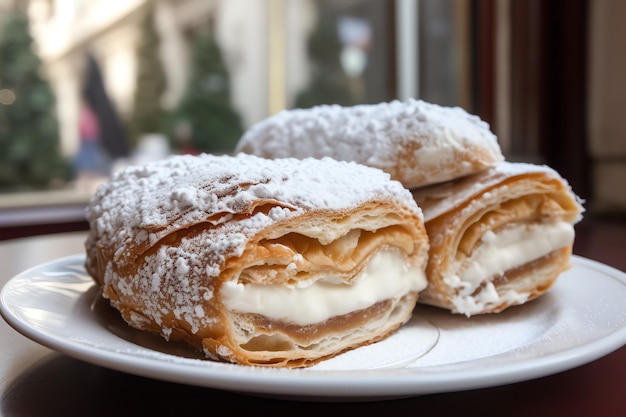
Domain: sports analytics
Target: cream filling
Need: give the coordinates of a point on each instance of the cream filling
(385, 276)
(506, 250)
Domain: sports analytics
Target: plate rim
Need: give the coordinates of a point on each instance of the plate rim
(322, 384)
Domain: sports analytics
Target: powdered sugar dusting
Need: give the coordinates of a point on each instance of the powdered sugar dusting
(383, 135)
(355, 133)
(141, 206)
(184, 190)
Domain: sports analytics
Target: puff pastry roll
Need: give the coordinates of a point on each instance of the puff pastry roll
(278, 263)
(498, 238)
(416, 142)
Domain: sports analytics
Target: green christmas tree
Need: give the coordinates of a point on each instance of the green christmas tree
(30, 157)
(148, 113)
(329, 83)
(205, 109)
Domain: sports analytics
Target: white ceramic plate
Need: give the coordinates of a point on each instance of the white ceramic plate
(582, 318)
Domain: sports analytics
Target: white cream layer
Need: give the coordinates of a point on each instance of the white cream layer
(501, 252)
(386, 276)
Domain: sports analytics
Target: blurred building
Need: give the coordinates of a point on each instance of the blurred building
(549, 97)
(66, 30)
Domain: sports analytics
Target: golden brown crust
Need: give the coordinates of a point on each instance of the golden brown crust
(529, 209)
(167, 238)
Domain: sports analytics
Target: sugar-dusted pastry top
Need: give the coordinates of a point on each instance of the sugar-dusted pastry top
(281, 262)
(417, 142)
(143, 204)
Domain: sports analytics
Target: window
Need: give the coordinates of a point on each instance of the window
(246, 59)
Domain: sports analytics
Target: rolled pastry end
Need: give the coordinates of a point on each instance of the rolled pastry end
(300, 324)
(301, 297)
(499, 238)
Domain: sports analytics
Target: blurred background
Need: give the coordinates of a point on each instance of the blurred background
(89, 86)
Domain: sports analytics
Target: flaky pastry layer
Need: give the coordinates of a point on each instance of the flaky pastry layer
(202, 249)
(498, 238)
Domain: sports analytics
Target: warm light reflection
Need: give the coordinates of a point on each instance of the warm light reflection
(7, 96)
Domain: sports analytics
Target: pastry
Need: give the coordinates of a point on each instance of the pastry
(497, 238)
(279, 263)
(416, 142)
